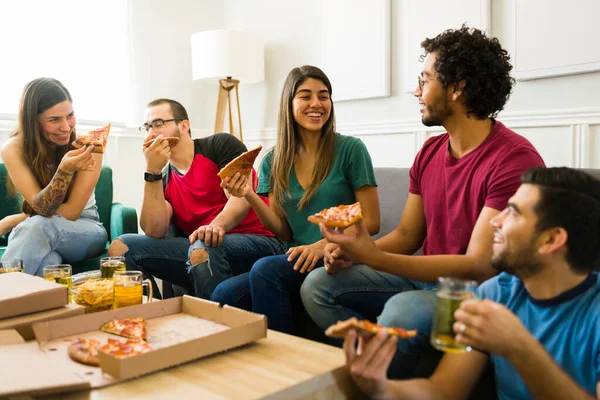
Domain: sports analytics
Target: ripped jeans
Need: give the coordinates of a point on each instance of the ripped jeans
(168, 259)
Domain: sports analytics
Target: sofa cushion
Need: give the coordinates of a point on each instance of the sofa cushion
(392, 184)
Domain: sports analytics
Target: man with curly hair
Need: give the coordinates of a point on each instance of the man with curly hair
(459, 181)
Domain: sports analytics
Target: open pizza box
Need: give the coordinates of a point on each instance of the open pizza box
(181, 329)
(22, 293)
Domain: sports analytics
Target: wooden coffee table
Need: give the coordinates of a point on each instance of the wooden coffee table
(278, 367)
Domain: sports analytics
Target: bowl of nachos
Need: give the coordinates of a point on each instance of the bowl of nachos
(94, 294)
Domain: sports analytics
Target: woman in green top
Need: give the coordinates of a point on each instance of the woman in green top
(311, 168)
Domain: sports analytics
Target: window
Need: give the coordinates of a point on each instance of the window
(84, 44)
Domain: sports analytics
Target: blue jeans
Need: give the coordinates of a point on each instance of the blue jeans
(168, 259)
(274, 288)
(41, 241)
(364, 293)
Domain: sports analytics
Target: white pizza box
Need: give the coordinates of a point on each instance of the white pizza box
(22, 293)
(23, 324)
(181, 329)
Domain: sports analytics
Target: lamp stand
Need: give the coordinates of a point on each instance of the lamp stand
(228, 90)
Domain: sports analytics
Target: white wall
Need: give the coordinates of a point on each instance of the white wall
(161, 59)
(560, 115)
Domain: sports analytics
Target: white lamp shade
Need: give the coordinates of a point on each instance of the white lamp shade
(220, 54)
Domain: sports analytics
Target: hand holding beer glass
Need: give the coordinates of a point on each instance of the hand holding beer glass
(451, 292)
(129, 288)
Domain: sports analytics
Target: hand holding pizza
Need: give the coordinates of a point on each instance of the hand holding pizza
(335, 259)
(489, 326)
(368, 363)
(78, 160)
(211, 235)
(157, 154)
(237, 185)
(357, 246)
(306, 257)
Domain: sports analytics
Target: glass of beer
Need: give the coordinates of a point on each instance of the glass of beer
(129, 288)
(60, 273)
(451, 292)
(110, 265)
(14, 265)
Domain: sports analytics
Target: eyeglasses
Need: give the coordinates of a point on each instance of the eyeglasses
(421, 83)
(157, 124)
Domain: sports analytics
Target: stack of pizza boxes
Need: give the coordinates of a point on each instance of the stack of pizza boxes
(176, 331)
(27, 299)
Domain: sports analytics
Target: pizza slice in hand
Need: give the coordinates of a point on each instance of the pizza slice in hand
(242, 164)
(131, 328)
(97, 138)
(338, 217)
(366, 328)
(171, 140)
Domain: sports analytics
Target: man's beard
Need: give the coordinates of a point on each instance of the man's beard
(523, 264)
(438, 113)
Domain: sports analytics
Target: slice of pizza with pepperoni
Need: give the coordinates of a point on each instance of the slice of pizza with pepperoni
(338, 217)
(128, 348)
(97, 138)
(132, 328)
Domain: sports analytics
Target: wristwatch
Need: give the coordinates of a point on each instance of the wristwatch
(150, 177)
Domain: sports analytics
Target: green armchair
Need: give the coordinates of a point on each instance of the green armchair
(116, 218)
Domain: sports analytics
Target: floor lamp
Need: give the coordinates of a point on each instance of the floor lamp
(232, 57)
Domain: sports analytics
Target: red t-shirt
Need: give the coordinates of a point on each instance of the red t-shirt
(197, 197)
(454, 191)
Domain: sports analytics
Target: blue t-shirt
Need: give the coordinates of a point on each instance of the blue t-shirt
(568, 326)
(351, 169)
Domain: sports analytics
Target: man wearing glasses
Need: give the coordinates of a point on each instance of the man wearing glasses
(196, 235)
(458, 182)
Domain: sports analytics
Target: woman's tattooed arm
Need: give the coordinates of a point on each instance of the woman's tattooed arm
(48, 200)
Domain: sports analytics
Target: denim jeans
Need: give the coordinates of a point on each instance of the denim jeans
(364, 293)
(274, 287)
(168, 259)
(41, 241)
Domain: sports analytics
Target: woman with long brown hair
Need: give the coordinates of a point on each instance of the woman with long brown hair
(311, 168)
(57, 184)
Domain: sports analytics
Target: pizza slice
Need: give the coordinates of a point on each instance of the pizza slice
(84, 351)
(338, 217)
(366, 328)
(97, 138)
(171, 140)
(128, 348)
(242, 164)
(132, 328)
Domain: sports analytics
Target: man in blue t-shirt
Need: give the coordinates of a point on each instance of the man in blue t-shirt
(539, 319)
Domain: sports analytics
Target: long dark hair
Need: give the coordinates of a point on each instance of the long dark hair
(287, 140)
(38, 96)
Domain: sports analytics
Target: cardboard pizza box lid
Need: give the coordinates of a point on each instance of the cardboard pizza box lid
(10, 336)
(23, 324)
(22, 293)
(25, 370)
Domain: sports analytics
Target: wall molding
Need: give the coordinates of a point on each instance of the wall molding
(516, 120)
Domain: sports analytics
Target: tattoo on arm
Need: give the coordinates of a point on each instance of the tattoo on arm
(48, 200)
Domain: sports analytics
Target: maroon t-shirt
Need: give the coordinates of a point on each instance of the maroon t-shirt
(197, 197)
(454, 191)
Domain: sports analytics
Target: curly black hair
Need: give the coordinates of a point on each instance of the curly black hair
(467, 54)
